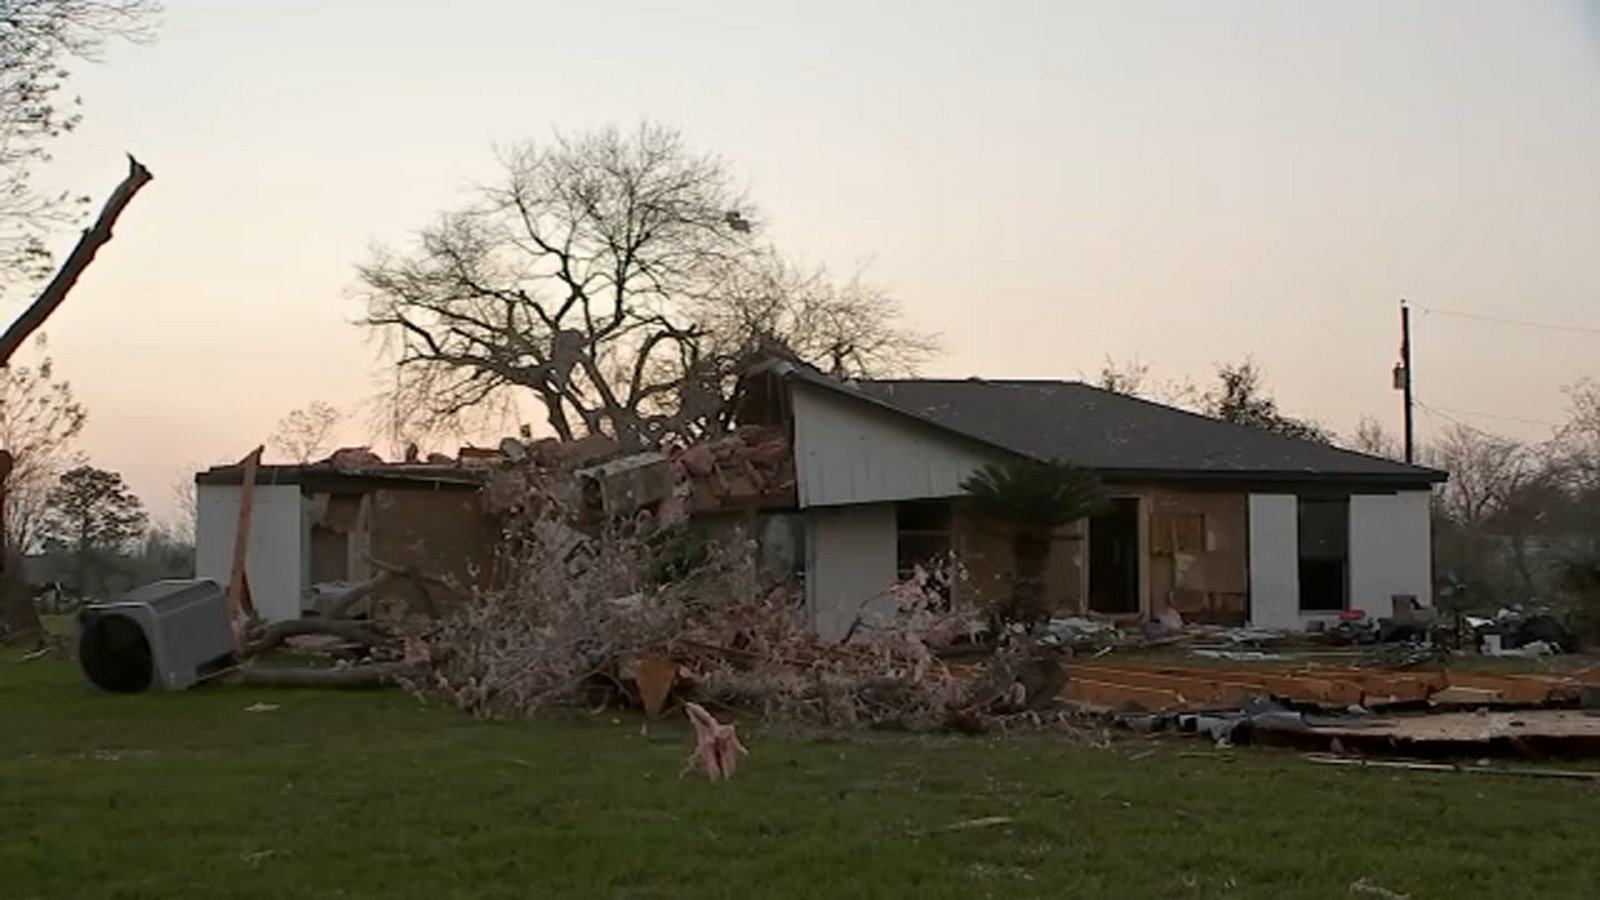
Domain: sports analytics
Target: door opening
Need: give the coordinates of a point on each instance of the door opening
(1114, 557)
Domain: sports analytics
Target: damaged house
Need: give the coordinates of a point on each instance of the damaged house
(849, 487)
(323, 524)
(1223, 523)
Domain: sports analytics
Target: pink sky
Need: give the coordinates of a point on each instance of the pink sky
(1044, 183)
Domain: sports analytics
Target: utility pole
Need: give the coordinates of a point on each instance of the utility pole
(1403, 378)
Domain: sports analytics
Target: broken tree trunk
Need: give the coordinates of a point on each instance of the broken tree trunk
(94, 237)
(16, 604)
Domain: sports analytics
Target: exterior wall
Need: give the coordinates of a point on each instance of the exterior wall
(1390, 551)
(1197, 555)
(273, 560)
(1274, 561)
(850, 561)
(848, 452)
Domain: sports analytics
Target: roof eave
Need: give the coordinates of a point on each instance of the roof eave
(1421, 479)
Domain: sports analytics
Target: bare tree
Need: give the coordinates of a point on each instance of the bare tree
(39, 420)
(1133, 378)
(1486, 470)
(1126, 378)
(38, 40)
(304, 434)
(186, 508)
(601, 276)
(1576, 445)
(1371, 437)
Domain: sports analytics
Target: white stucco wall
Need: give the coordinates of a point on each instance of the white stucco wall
(1390, 553)
(849, 452)
(850, 562)
(273, 562)
(1274, 561)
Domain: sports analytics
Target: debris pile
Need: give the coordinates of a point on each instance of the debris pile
(623, 609)
(749, 467)
(1416, 713)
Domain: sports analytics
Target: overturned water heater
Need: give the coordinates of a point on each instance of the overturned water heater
(168, 636)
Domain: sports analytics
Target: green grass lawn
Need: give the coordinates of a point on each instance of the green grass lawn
(372, 795)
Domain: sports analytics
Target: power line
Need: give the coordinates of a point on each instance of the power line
(1443, 412)
(1522, 323)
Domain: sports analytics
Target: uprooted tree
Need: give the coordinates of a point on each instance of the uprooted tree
(619, 280)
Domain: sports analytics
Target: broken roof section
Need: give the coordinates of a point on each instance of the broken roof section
(358, 466)
(1121, 436)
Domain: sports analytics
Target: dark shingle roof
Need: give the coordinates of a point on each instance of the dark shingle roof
(1115, 433)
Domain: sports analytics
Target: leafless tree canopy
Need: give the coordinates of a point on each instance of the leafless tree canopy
(186, 507)
(1485, 471)
(304, 434)
(38, 39)
(618, 277)
(1371, 437)
(1133, 378)
(39, 419)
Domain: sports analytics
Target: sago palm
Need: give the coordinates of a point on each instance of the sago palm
(1034, 499)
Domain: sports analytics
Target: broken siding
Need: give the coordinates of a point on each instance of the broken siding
(848, 452)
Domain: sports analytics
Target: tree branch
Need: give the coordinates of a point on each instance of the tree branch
(83, 254)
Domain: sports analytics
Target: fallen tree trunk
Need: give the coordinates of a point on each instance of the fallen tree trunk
(355, 632)
(375, 675)
(343, 602)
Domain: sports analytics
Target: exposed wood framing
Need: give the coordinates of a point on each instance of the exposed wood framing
(240, 607)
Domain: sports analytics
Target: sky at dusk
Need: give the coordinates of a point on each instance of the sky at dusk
(1044, 183)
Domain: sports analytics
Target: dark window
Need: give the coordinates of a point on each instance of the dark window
(1324, 537)
(925, 536)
